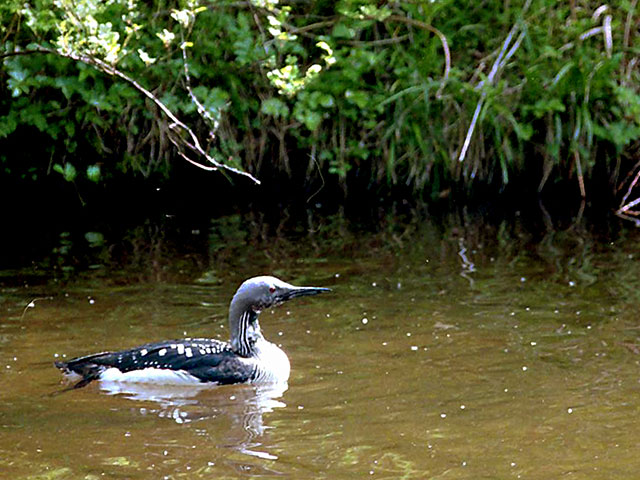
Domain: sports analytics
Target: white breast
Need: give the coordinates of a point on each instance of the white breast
(273, 363)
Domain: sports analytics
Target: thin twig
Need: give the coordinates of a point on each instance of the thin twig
(627, 26)
(627, 208)
(576, 157)
(624, 211)
(187, 77)
(472, 127)
(375, 43)
(621, 184)
(312, 26)
(315, 161)
(631, 187)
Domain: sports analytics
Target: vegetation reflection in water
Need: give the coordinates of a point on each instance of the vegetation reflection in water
(463, 353)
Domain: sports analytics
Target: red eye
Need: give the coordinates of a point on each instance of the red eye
(272, 289)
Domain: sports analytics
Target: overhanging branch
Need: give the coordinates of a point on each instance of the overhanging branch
(175, 123)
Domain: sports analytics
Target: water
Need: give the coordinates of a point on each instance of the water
(467, 353)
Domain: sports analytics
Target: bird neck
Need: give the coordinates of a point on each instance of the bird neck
(245, 331)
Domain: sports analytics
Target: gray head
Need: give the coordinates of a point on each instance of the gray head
(255, 295)
(259, 293)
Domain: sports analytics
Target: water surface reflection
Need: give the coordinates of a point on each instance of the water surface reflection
(525, 366)
(243, 405)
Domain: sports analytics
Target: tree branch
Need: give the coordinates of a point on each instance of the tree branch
(176, 123)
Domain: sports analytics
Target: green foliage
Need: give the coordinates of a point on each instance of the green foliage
(358, 85)
(93, 173)
(68, 171)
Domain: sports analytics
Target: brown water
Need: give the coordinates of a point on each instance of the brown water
(474, 356)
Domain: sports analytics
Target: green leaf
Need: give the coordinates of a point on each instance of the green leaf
(310, 118)
(326, 100)
(545, 105)
(620, 133)
(95, 239)
(275, 107)
(93, 173)
(359, 97)
(68, 171)
(7, 125)
(342, 31)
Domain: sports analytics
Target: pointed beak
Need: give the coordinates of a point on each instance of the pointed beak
(295, 292)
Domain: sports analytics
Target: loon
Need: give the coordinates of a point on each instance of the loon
(247, 358)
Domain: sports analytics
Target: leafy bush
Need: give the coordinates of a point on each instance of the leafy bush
(425, 95)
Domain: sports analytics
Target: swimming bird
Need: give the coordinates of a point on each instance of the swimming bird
(247, 358)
